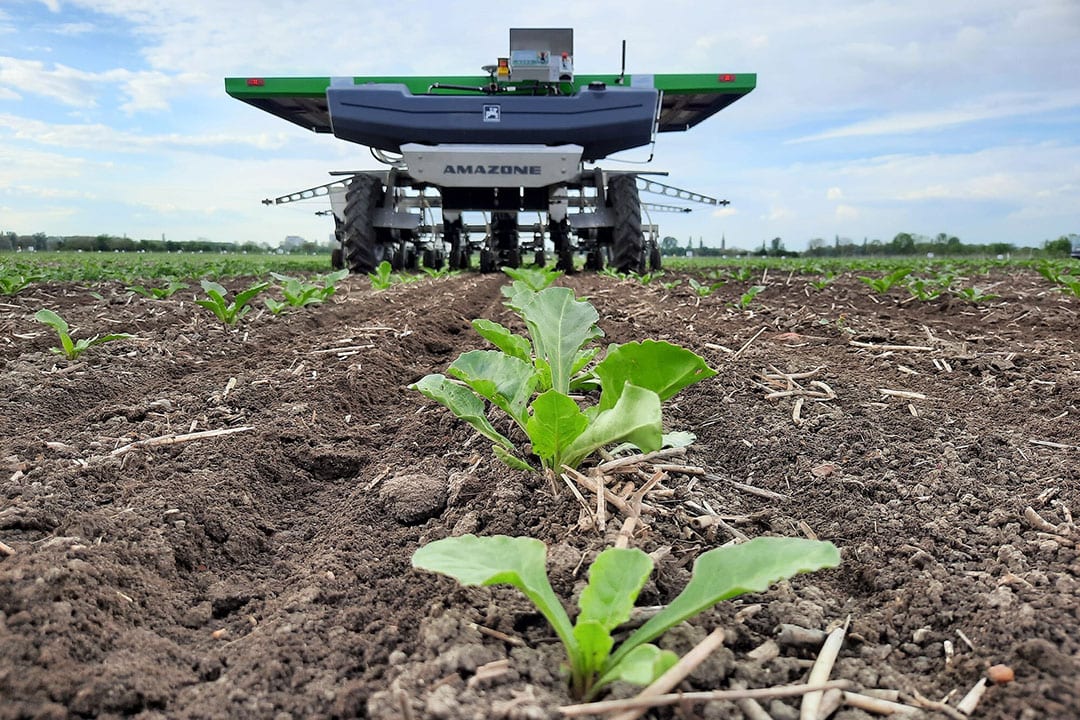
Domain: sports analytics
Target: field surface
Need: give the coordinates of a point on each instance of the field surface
(264, 572)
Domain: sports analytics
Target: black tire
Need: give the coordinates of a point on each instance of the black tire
(540, 259)
(655, 260)
(363, 248)
(452, 235)
(337, 255)
(627, 242)
(487, 261)
(504, 231)
(559, 232)
(433, 259)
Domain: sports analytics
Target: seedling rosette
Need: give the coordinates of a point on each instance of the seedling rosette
(530, 379)
(69, 347)
(615, 579)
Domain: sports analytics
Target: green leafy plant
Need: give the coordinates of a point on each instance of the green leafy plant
(923, 290)
(301, 293)
(383, 277)
(159, 293)
(823, 282)
(647, 277)
(704, 289)
(1070, 283)
(70, 348)
(530, 379)
(885, 283)
(11, 284)
(973, 295)
(616, 577)
(225, 311)
(670, 284)
(742, 274)
(526, 281)
(748, 297)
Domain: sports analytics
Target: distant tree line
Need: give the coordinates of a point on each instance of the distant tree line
(902, 244)
(108, 243)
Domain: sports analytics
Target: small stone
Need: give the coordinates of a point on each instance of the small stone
(412, 499)
(1000, 674)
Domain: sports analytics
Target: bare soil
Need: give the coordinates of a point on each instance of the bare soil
(265, 573)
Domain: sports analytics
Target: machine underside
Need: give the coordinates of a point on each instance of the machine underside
(496, 171)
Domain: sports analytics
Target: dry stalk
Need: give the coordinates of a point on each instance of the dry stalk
(877, 706)
(811, 702)
(177, 439)
(970, 701)
(676, 673)
(644, 704)
(748, 343)
(890, 348)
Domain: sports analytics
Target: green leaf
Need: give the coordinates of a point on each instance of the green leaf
(461, 401)
(654, 365)
(641, 666)
(730, 571)
(517, 561)
(615, 579)
(510, 343)
(243, 297)
(504, 380)
(215, 291)
(556, 422)
(511, 460)
(635, 418)
(48, 317)
(594, 643)
(559, 325)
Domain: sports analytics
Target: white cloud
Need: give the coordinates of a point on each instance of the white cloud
(145, 90)
(834, 193)
(100, 137)
(988, 108)
(73, 29)
(725, 211)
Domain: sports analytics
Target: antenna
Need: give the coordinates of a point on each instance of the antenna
(622, 72)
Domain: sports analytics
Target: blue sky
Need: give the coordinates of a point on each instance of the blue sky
(870, 118)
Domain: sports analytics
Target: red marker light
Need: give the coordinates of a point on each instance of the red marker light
(726, 78)
(255, 82)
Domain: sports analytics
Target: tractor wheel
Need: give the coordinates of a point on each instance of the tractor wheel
(559, 232)
(337, 255)
(504, 230)
(627, 242)
(434, 259)
(655, 260)
(452, 235)
(363, 248)
(540, 259)
(487, 261)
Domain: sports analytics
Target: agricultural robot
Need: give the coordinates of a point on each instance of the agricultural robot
(522, 140)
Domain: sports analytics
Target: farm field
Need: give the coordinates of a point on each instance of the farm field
(263, 570)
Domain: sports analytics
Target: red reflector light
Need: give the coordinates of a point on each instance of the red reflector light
(726, 78)
(504, 62)
(256, 82)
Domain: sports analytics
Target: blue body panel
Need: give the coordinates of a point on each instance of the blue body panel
(602, 121)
